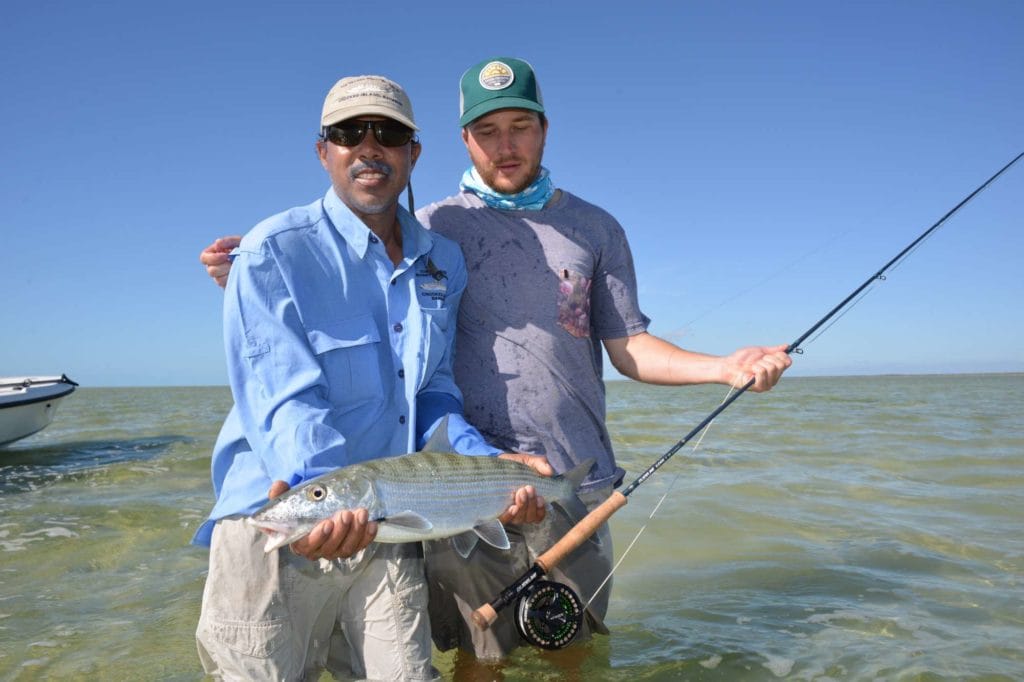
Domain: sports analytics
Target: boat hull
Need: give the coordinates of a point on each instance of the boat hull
(28, 404)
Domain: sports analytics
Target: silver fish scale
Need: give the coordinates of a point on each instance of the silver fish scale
(453, 492)
(450, 494)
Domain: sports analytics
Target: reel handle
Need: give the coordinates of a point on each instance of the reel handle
(485, 616)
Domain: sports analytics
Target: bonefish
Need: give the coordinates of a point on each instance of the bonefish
(418, 496)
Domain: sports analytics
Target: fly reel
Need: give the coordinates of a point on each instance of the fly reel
(549, 615)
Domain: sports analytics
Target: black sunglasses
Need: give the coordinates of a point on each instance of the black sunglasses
(351, 133)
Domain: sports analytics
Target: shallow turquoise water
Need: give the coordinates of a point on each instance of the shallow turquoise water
(850, 528)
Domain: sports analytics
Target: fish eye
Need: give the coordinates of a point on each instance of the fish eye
(316, 493)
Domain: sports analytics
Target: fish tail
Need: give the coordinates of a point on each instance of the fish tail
(571, 507)
(579, 472)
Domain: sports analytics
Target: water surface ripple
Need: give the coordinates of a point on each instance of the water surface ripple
(852, 528)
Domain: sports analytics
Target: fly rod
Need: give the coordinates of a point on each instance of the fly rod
(549, 614)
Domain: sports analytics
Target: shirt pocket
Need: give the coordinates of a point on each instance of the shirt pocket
(574, 302)
(435, 340)
(349, 354)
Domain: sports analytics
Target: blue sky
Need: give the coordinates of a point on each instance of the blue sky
(765, 158)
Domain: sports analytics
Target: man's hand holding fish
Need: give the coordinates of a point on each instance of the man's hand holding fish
(528, 507)
(340, 537)
(349, 531)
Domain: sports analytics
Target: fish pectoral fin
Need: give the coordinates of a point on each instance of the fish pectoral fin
(493, 533)
(409, 519)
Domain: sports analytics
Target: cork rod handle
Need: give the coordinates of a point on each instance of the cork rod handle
(579, 533)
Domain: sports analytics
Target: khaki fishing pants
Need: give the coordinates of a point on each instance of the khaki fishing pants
(279, 616)
(458, 586)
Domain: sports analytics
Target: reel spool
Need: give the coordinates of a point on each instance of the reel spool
(549, 615)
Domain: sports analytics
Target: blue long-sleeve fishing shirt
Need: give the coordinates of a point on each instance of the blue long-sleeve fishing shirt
(335, 355)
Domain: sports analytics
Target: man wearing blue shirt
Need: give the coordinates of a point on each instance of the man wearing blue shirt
(339, 326)
(551, 289)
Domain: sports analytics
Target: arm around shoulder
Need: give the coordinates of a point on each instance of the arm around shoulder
(216, 258)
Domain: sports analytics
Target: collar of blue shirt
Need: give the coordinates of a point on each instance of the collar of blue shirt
(416, 240)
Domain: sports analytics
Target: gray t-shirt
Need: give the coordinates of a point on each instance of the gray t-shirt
(544, 288)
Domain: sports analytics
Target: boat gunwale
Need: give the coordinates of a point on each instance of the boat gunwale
(37, 399)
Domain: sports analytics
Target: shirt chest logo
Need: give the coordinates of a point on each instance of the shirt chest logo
(432, 281)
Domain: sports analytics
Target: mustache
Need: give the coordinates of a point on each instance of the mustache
(372, 165)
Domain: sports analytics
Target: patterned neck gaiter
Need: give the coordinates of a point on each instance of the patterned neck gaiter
(533, 198)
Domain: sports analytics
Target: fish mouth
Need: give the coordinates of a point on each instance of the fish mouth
(280, 533)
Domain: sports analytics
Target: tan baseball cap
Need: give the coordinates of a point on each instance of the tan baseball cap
(362, 95)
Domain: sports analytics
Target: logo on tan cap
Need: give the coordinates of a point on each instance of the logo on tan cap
(367, 95)
(496, 76)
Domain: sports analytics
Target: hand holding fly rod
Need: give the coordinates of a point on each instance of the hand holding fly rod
(549, 614)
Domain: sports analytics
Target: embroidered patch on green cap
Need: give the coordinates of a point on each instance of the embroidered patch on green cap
(500, 83)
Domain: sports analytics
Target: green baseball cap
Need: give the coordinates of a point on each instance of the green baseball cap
(498, 83)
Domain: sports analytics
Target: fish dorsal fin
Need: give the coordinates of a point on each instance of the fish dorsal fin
(438, 441)
(408, 519)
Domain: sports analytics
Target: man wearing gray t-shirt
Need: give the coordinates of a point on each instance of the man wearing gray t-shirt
(550, 282)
